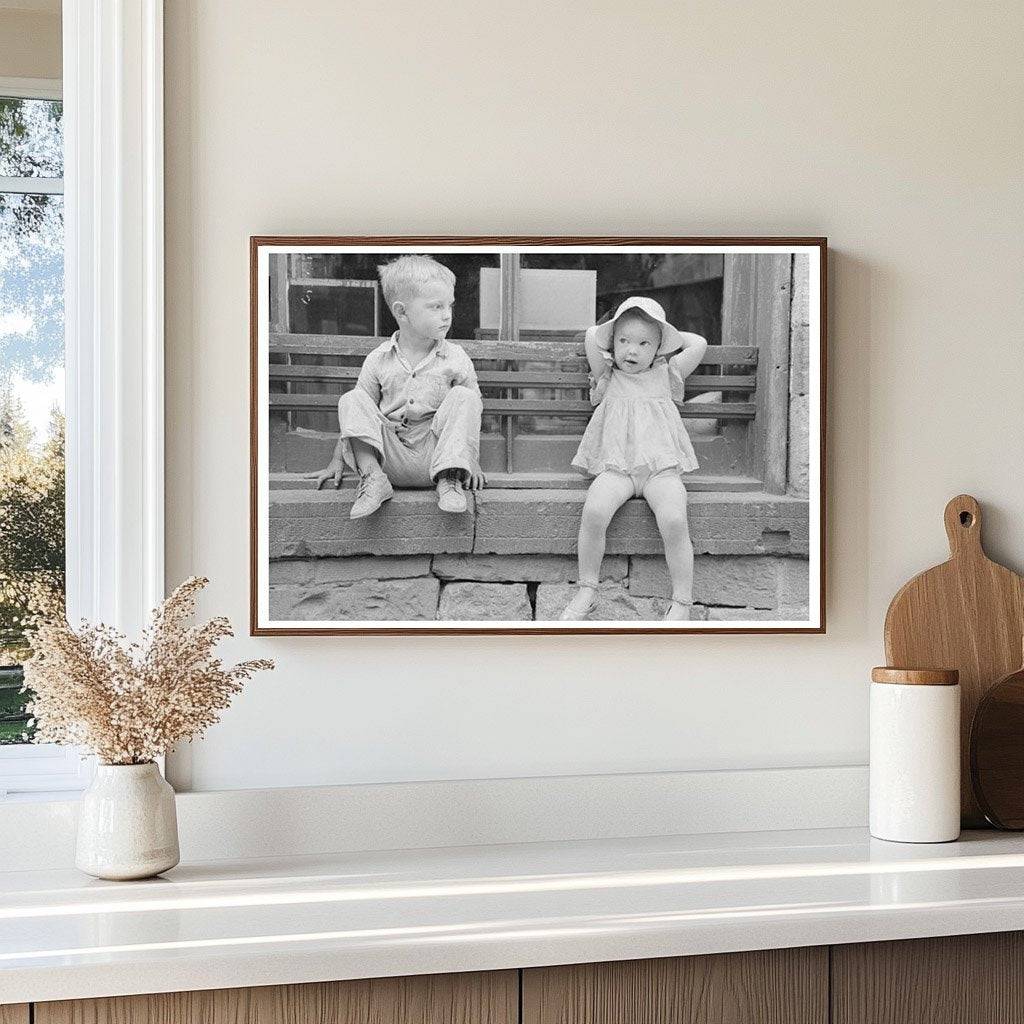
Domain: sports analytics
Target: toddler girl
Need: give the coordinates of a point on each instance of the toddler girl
(635, 445)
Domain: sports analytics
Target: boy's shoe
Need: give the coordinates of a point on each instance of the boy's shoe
(374, 489)
(450, 496)
(678, 612)
(580, 606)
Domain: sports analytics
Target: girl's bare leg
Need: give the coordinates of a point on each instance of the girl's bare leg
(605, 496)
(666, 495)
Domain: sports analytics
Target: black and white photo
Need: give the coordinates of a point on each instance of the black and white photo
(537, 435)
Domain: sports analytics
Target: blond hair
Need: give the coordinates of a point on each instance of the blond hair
(403, 277)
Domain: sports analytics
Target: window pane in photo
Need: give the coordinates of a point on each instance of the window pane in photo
(333, 293)
(688, 286)
(31, 138)
(339, 294)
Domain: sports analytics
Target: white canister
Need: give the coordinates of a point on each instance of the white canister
(915, 755)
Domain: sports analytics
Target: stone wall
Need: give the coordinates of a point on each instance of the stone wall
(529, 587)
(512, 557)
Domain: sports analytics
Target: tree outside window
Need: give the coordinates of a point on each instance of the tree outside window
(31, 386)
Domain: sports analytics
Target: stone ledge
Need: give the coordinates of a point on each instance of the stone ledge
(535, 521)
(315, 524)
(307, 524)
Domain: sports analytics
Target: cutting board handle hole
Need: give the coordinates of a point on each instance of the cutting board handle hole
(962, 519)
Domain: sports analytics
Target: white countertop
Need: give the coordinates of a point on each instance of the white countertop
(261, 922)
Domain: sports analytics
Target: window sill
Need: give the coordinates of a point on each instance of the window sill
(44, 771)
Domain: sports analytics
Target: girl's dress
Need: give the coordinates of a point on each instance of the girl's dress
(636, 428)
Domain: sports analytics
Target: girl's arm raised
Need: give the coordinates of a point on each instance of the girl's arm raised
(687, 359)
(600, 361)
(599, 358)
(684, 362)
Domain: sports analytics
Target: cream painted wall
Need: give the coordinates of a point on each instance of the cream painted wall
(29, 42)
(895, 129)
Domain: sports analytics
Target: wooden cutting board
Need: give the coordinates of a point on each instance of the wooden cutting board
(967, 614)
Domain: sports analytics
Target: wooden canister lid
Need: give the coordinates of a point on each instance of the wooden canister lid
(916, 676)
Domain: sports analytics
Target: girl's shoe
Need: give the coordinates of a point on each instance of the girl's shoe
(678, 612)
(580, 606)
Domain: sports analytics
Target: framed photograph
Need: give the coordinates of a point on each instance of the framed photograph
(537, 435)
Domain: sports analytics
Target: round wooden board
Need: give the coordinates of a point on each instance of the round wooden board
(967, 614)
(997, 752)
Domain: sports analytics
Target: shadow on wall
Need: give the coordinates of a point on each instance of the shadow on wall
(854, 287)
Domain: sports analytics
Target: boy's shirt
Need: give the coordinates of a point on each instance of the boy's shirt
(408, 394)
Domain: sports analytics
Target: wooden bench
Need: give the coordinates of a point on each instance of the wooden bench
(523, 382)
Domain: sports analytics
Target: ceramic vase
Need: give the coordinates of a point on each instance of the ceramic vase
(127, 825)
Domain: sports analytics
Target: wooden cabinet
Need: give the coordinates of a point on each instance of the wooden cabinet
(775, 986)
(483, 998)
(969, 979)
(961, 979)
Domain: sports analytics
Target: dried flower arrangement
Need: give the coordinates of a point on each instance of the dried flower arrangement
(131, 703)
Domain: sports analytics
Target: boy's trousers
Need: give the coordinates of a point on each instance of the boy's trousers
(413, 455)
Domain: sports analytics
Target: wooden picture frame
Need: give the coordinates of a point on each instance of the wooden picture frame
(757, 513)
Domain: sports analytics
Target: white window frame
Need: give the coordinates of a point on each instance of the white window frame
(114, 325)
(32, 88)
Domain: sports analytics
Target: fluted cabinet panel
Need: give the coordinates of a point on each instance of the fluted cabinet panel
(959, 979)
(479, 998)
(776, 986)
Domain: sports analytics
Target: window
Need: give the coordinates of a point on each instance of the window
(32, 549)
(337, 295)
(112, 213)
(541, 302)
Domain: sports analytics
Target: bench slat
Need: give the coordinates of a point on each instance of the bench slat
(578, 407)
(514, 378)
(532, 333)
(535, 407)
(537, 481)
(552, 351)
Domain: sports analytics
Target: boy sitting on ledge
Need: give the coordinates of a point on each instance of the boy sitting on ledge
(413, 418)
